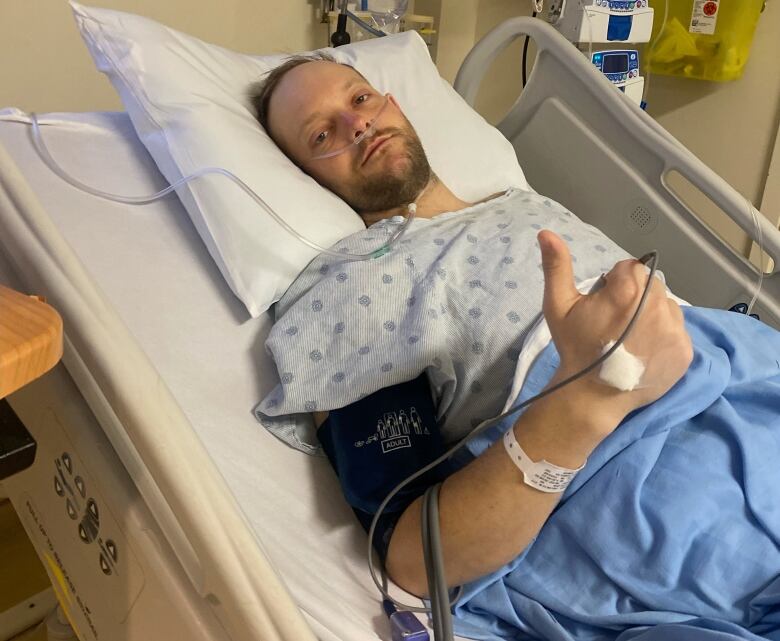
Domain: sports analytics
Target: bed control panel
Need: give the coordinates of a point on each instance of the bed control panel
(80, 540)
(82, 508)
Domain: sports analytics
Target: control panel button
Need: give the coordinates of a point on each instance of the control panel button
(80, 486)
(78, 496)
(104, 566)
(111, 547)
(93, 510)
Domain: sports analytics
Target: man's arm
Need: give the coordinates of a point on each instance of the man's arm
(488, 514)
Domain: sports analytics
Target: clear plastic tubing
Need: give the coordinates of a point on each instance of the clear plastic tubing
(47, 159)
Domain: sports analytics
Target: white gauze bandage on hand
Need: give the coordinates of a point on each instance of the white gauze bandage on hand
(622, 370)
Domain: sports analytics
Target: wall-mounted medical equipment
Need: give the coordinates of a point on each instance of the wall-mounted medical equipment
(621, 67)
(585, 22)
(705, 39)
(602, 20)
(424, 25)
(379, 18)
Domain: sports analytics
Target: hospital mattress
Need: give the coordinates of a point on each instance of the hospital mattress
(152, 268)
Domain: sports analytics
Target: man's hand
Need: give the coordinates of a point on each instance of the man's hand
(488, 515)
(581, 325)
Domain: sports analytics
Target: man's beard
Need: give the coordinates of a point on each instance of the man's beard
(387, 191)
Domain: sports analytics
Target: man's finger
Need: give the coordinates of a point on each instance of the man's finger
(560, 293)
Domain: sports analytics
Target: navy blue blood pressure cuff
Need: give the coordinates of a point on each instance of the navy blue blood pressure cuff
(376, 443)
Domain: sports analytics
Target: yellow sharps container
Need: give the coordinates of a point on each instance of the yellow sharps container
(705, 39)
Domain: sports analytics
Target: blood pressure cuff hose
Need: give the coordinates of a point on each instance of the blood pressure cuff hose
(376, 443)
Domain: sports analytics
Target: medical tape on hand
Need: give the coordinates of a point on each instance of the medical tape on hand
(622, 370)
(540, 475)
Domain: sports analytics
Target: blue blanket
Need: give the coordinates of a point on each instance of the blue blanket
(672, 531)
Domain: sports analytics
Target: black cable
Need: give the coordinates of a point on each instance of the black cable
(438, 592)
(651, 260)
(430, 573)
(525, 55)
(442, 615)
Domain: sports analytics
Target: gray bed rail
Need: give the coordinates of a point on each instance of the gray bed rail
(583, 143)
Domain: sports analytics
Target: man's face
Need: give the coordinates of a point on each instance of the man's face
(321, 106)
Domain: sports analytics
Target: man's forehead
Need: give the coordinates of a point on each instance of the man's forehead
(302, 90)
(307, 83)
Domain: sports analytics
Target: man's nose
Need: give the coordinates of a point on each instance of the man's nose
(355, 124)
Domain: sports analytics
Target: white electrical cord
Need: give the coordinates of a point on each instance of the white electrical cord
(586, 13)
(761, 255)
(649, 49)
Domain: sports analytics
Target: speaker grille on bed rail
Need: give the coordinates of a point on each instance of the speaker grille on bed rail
(641, 219)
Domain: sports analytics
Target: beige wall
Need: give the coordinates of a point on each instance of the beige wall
(503, 81)
(461, 23)
(46, 66)
(456, 20)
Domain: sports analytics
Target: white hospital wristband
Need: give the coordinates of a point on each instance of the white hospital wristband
(540, 475)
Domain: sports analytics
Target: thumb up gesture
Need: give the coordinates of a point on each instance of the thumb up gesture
(581, 325)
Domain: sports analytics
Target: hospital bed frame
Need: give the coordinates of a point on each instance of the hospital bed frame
(197, 571)
(571, 129)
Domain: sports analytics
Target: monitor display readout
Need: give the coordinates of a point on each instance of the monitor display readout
(615, 63)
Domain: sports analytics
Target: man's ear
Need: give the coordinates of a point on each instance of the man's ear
(392, 99)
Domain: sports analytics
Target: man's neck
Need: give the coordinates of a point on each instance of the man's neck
(435, 199)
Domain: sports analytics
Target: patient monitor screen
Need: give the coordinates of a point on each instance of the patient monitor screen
(615, 63)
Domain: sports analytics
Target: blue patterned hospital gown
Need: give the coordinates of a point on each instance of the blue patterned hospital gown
(454, 299)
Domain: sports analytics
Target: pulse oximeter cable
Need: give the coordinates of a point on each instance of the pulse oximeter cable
(435, 570)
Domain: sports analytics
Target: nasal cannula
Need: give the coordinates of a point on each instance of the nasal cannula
(370, 129)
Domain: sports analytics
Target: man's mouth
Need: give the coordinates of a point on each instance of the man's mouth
(376, 144)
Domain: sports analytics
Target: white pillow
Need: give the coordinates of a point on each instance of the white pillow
(189, 105)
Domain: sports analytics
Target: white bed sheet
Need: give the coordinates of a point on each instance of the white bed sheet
(152, 267)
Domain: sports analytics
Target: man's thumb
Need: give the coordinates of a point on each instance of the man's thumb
(560, 294)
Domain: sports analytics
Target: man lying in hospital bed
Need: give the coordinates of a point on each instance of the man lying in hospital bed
(671, 520)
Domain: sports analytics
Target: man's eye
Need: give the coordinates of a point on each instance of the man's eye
(361, 98)
(321, 137)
